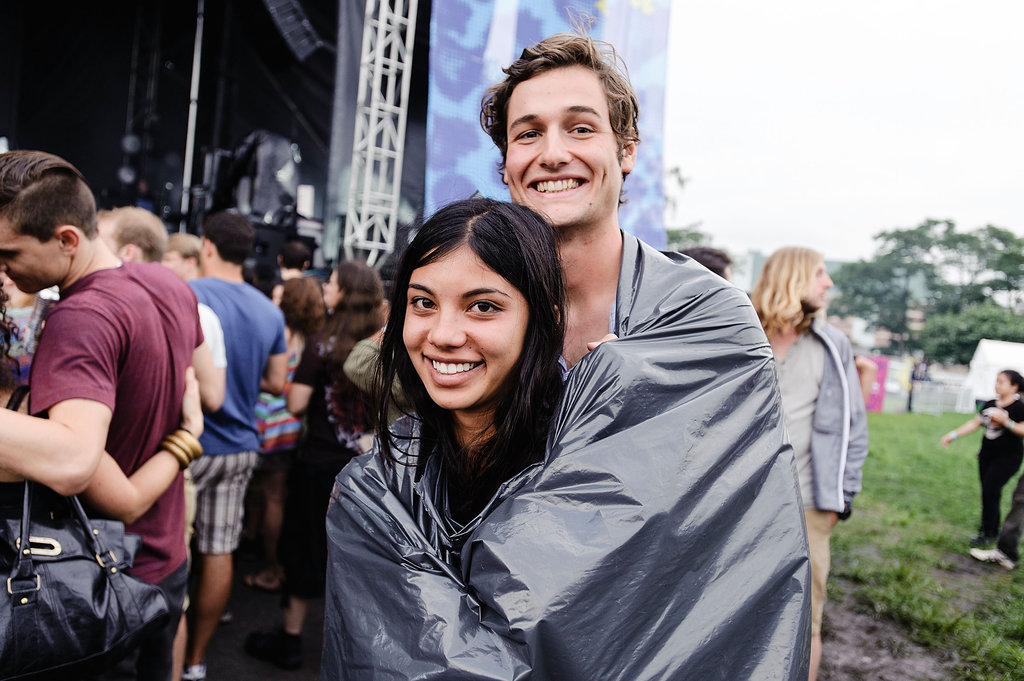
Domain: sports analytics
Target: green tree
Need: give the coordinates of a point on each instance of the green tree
(678, 238)
(877, 290)
(933, 268)
(953, 336)
(976, 266)
(899, 278)
(1004, 252)
(961, 261)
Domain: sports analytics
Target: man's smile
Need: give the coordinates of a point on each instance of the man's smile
(554, 186)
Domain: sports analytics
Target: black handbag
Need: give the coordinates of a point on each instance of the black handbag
(69, 607)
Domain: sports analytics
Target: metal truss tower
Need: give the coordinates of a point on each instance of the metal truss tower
(385, 71)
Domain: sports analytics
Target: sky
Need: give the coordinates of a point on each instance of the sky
(820, 123)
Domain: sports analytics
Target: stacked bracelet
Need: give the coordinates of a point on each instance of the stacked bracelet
(183, 445)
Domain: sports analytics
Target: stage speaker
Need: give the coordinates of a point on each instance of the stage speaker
(292, 22)
(261, 180)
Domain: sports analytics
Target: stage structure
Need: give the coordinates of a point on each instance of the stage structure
(193, 112)
(378, 148)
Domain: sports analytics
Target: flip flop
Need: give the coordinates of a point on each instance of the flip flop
(259, 580)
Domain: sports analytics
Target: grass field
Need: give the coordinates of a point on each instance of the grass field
(905, 548)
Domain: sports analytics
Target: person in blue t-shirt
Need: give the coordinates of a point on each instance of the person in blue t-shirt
(257, 355)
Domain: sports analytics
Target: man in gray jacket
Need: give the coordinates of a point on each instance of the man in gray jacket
(820, 397)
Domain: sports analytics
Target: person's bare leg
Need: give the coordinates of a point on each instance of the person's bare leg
(815, 657)
(295, 615)
(178, 651)
(274, 492)
(212, 592)
(253, 515)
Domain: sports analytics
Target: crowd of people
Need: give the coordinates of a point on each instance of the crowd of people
(551, 451)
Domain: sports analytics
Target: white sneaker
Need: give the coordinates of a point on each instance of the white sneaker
(993, 556)
(194, 672)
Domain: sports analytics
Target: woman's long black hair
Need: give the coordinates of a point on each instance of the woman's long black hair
(520, 246)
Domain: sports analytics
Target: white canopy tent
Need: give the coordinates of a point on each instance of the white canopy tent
(990, 357)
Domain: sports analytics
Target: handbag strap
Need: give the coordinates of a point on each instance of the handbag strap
(23, 585)
(14, 401)
(104, 556)
(24, 582)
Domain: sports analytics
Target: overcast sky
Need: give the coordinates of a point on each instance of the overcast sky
(803, 122)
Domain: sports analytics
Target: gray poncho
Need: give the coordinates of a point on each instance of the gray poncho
(661, 538)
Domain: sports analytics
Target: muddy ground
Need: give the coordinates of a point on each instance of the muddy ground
(858, 646)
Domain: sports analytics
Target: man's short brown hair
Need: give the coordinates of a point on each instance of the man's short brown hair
(40, 191)
(564, 50)
(139, 227)
(231, 234)
(295, 255)
(187, 245)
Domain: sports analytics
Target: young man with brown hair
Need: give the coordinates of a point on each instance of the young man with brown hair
(257, 356)
(108, 374)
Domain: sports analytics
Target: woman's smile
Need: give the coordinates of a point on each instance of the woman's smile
(453, 367)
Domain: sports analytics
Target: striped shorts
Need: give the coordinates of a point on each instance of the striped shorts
(221, 481)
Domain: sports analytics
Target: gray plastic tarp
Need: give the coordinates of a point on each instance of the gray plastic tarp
(661, 538)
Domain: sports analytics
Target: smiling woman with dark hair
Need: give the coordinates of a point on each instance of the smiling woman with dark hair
(474, 338)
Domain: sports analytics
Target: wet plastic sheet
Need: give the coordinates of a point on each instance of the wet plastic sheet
(661, 538)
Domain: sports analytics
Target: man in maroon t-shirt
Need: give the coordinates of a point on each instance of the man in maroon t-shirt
(108, 374)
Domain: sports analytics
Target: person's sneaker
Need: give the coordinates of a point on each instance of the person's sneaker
(194, 672)
(993, 556)
(983, 540)
(276, 647)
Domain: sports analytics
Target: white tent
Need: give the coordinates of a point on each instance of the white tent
(990, 357)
